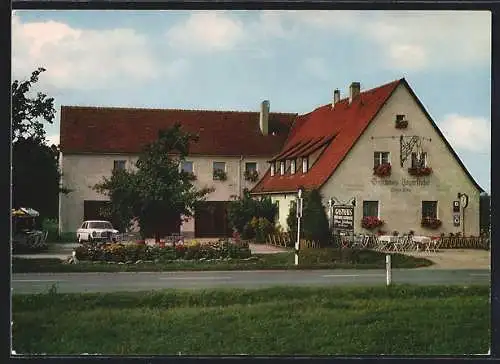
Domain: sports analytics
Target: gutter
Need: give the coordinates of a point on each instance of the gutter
(239, 176)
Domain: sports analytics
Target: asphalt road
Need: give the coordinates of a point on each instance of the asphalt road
(142, 281)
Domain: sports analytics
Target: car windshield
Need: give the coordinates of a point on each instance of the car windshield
(100, 225)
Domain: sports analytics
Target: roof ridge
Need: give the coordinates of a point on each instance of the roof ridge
(172, 109)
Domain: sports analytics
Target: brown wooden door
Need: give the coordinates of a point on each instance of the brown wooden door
(210, 220)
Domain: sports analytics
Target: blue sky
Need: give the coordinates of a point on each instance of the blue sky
(234, 59)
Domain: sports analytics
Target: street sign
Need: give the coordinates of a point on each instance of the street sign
(299, 207)
(456, 206)
(456, 220)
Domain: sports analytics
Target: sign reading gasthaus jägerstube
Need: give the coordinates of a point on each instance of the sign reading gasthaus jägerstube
(343, 217)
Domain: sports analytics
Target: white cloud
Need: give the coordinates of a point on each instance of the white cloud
(419, 40)
(206, 31)
(82, 58)
(406, 39)
(467, 133)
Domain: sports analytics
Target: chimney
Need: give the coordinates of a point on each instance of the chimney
(336, 97)
(354, 90)
(264, 117)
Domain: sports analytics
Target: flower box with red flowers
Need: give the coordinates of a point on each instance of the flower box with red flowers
(401, 124)
(382, 170)
(417, 171)
(251, 175)
(371, 222)
(431, 222)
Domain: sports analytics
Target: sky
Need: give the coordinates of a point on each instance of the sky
(232, 60)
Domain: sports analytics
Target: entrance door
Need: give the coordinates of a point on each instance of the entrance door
(210, 220)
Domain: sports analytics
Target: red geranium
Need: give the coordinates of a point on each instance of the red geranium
(371, 222)
(424, 171)
(382, 170)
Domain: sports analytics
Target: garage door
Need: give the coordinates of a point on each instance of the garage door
(210, 220)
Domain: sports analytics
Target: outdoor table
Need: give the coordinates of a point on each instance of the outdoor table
(387, 241)
(422, 241)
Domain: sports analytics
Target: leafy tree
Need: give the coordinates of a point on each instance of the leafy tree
(29, 113)
(314, 222)
(241, 212)
(155, 191)
(35, 169)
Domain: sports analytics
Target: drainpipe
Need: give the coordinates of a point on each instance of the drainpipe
(239, 176)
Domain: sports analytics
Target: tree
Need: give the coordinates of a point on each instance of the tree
(35, 168)
(30, 113)
(156, 191)
(243, 210)
(314, 222)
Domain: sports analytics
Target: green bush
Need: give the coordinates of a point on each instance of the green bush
(243, 210)
(116, 252)
(261, 228)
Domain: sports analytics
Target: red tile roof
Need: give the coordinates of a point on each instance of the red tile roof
(344, 123)
(126, 130)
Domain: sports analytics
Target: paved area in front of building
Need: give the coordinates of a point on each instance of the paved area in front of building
(456, 259)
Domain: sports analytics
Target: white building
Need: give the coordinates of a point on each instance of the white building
(95, 140)
(337, 147)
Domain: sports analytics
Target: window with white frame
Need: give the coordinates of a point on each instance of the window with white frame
(219, 170)
(187, 166)
(273, 166)
(305, 164)
(429, 209)
(292, 166)
(418, 160)
(380, 158)
(282, 168)
(119, 165)
(370, 209)
(250, 167)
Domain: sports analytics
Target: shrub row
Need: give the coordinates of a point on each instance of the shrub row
(117, 252)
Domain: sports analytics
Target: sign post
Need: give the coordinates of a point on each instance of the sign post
(343, 219)
(388, 269)
(299, 215)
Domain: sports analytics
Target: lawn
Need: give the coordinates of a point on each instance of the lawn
(400, 320)
(310, 259)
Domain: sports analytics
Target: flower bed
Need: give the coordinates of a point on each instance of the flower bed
(425, 171)
(431, 223)
(117, 252)
(371, 222)
(382, 170)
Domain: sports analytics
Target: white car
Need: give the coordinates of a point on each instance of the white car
(96, 231)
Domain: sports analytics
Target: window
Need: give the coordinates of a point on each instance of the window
(119, 165)
(282, 168)
(418, 160)
(187, 166)
(100, 225)
(250, 166)
(272, 169)
(429, 209)
(370, 209)
(400, 118)
(292, 166)
(305, 165)
(219, 171)
(380, 158)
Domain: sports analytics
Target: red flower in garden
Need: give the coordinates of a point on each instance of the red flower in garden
(371, 222)
(382, 170)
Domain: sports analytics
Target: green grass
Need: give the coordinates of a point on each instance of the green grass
(311, 259)
(400, 320)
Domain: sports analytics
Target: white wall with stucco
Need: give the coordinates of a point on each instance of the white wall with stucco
(82, 171)
(400, 205)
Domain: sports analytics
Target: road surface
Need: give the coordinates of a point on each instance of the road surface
(145, 281)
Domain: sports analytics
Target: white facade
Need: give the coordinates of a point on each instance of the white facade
(400, 195)
(83, 171)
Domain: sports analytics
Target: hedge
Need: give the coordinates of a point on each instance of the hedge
(118, 252)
